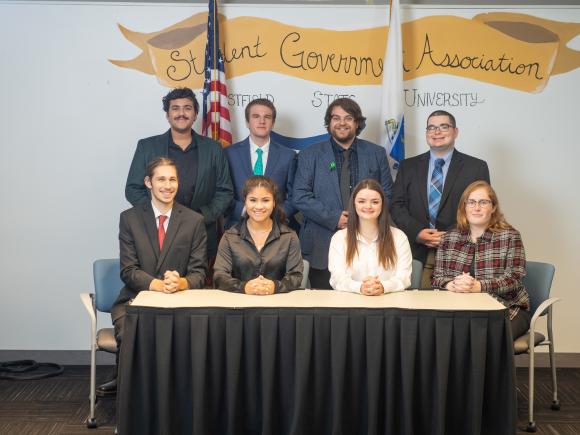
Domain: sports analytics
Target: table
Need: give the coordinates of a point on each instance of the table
(316, 362)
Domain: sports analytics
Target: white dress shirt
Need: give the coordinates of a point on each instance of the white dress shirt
(254, 155)
(157, 213)
(366, 263)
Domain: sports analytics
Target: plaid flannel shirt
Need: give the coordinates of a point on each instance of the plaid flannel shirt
(500, 264)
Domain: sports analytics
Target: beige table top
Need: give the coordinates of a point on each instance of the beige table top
(411, 299)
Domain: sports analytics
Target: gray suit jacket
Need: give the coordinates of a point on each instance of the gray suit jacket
(184, 249)
(317, 193)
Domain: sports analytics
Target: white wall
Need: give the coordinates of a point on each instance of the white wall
(70, 121)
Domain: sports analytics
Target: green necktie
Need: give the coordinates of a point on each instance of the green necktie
(259, 166)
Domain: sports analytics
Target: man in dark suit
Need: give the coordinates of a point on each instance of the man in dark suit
(162, 246)
(428, 188)
(258, 155)
(325, 175)
(204, 178)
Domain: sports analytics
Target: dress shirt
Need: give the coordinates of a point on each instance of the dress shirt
(366, 263)
(186, 161)
(444, 169)
(352, 157)
(157, 213)
(254, 155)
(499, 263)
(239, 261)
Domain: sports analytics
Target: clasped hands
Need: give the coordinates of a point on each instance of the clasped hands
(260, 286)
(430, 237)
(464, 283)
(372, 286)
(171, 283)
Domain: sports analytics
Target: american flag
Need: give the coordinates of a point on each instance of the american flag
(216, 115)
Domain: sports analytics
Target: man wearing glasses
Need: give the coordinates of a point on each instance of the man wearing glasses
(326, 173)
(428, 187)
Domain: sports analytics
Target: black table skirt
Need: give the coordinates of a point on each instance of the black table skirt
(316, 371)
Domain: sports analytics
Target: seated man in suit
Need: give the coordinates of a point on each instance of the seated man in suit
(258, 155)
(162, 246)
(204, 177)
(325, 175)
(428, 188)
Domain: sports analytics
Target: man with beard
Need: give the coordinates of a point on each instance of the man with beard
(326, 173)
(204, 177)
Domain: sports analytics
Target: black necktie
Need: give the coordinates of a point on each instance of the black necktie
(345, 179)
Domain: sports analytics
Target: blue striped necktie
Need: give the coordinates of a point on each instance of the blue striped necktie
(435, 191)
(259, 166)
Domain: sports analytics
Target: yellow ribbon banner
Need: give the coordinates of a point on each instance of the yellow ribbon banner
(511, 50)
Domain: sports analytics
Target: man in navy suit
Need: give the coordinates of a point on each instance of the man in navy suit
(326, 173)
(258, 155)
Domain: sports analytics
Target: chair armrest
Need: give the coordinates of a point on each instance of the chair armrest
(541, 308)
(88, 302)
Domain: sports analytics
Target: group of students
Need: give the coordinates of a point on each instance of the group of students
(444, 213)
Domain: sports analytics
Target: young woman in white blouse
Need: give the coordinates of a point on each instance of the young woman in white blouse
(369, 256)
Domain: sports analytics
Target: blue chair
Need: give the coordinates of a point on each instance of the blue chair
(306, 269)
(416, 273)
(538, 282)
(108, 284)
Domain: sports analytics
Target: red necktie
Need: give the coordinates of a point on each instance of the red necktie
(161, 231)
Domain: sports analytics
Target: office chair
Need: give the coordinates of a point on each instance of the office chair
(305, 282)
(538, 281)
(106, 276)
(416, 273)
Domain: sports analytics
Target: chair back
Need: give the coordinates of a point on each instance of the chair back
(305, 271)
(108, 284)
(538, 281)
(416, 273)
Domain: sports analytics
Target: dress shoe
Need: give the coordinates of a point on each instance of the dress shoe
(107, 389)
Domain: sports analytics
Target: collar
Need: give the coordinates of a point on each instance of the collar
(254, 147)
(157, 213)
(192, 144)
(446, 157)
(337, 147)
(361, 239)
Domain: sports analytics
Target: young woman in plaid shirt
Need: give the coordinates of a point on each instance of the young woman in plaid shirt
(485, 254)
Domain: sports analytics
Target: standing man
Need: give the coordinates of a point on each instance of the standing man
(204, 177)
(428, 188)
(258, 155)
(325, 175)
(162, 247)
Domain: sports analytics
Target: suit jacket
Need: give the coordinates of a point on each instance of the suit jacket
(213, 186)
(317, 193)
(280, 167)
(410, 209)
(184, 249)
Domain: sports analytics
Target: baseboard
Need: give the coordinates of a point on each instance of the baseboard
(82, 357)
(563, 360)
(63, 357)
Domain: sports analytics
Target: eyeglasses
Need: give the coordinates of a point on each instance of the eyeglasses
(443, 127)
(347, 118)
(471, 203)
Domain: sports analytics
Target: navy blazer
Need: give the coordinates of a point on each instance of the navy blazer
(410, 207)
(280, 167)
(317, 193)
(213, 186)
